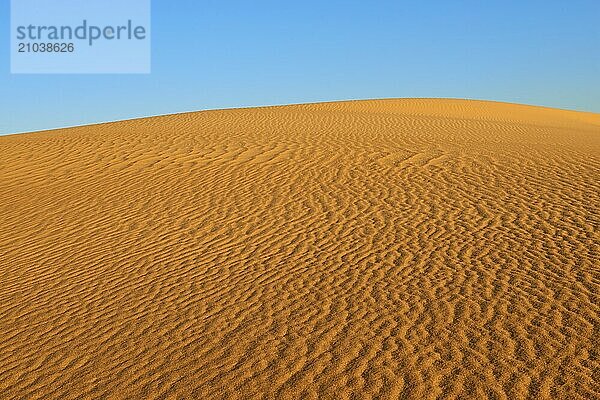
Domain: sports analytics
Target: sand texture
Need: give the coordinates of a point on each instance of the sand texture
(391, 249)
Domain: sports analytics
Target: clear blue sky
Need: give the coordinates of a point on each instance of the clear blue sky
(217, 54)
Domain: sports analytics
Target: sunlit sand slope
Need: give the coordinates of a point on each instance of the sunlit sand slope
(387, 249)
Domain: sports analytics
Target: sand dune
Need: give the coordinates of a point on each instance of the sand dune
(418, 249)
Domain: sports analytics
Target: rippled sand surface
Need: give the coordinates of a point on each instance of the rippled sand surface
(413, 249)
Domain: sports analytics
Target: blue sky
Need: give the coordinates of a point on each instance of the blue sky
(219, 54)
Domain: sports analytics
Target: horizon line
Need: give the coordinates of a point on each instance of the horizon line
(284, 105)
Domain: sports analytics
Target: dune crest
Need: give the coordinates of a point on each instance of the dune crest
(411, 248)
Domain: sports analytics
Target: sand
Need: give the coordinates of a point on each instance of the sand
(414, 249)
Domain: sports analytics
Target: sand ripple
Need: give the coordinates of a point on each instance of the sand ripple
(415, 249)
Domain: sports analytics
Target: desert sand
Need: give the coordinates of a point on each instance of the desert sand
(411, 248)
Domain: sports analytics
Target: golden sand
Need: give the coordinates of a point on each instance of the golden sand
(418, 249)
